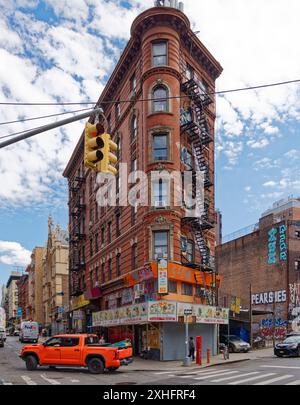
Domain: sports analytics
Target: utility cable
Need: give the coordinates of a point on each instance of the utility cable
(151, 99)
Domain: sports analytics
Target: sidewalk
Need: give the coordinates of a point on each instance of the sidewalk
(156, 366)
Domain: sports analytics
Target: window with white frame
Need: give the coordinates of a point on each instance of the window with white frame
(160, 53)
(160, 97)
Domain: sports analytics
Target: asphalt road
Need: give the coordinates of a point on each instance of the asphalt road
(265, 371)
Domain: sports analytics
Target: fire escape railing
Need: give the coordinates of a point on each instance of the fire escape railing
(194, 123)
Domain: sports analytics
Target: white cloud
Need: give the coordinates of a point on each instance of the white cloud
(260, 144)
(69, 61)
(13, 254)
(270, 184)
(292, 154)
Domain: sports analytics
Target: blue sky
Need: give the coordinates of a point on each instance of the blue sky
(64, 50)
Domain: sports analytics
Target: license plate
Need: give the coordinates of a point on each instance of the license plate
(281, 352)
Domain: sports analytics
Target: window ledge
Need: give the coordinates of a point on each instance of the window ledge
(160, 113)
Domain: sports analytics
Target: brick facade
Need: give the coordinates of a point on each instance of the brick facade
(128, 245)
(244, 262)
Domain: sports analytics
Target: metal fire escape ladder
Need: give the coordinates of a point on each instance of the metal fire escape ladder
(198, 130)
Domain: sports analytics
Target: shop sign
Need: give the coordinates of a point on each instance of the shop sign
(127, 296)
(78, 315)
(162, 276)
(235, 306)
(129, 315)
(269, 297)
(205, 314)
(139, 276)
(162, 311)
(79, 302)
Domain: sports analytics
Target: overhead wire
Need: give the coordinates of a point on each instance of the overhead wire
(106, 102)
(151, 99)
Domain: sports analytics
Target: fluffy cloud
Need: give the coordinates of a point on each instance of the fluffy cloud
(13, 254)
(69, 58)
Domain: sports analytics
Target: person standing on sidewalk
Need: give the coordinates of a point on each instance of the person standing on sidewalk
(192, 348)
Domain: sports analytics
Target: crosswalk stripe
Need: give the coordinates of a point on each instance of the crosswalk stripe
(297, 382)
(284, 367)
(202, 372)
(258, 377)
(231, 378)
(162, 372)
(283, 377)
(28, 380)
(50, 380)
(215, 375)
(2, 382)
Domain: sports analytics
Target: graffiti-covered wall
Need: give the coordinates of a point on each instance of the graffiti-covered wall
(294, 307)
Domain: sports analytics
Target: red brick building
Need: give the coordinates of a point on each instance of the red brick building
(114, 251)
(267, 260)
(23, 295)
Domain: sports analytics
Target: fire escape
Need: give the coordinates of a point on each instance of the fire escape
(194, 123)
(77, 234)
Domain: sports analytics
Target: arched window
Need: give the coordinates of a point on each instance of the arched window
(133, 128)
(160, 99)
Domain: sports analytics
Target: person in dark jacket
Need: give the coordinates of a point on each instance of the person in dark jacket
(192, 348)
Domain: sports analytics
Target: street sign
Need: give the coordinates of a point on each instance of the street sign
(188, 312)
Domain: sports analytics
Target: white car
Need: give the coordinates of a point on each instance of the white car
(3, 333)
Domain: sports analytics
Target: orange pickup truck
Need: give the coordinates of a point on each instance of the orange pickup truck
(76, 351)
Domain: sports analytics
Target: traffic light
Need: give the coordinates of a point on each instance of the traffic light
(109, 159)
(98, 154)
(93, 146)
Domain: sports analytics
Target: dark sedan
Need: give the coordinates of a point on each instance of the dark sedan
(290, 347)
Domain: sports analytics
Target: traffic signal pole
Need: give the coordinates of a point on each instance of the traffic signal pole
(48, 127)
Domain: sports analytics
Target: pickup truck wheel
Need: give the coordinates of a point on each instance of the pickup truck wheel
(31, 363)
(96, 366)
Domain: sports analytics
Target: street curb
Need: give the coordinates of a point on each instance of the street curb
(194, 368)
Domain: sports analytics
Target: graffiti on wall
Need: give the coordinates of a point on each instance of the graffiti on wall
(294, 307)
(278, 327)
(272, 244)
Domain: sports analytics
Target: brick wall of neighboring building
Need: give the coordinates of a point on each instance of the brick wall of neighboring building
(23, 295)
(243, 263)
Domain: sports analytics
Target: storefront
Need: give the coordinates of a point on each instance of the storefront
(157, 328)
(79, 315)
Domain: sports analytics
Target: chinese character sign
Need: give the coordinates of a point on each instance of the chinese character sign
(272, 246)
(282, 243)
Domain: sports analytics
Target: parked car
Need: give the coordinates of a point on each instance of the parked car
(2, 337)
(3, 333)
(293, 334)
(289, 347)
(236, 344)
(77, 351)
(16, 332)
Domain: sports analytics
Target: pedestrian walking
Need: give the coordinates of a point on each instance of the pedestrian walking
(192, 348)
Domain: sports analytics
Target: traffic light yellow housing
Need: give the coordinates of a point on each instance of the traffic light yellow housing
(93, 145)
(98, 150)
(109, 159)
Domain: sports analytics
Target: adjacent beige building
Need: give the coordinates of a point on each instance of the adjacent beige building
(35, 286)
(56, 279)
(12, 298)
